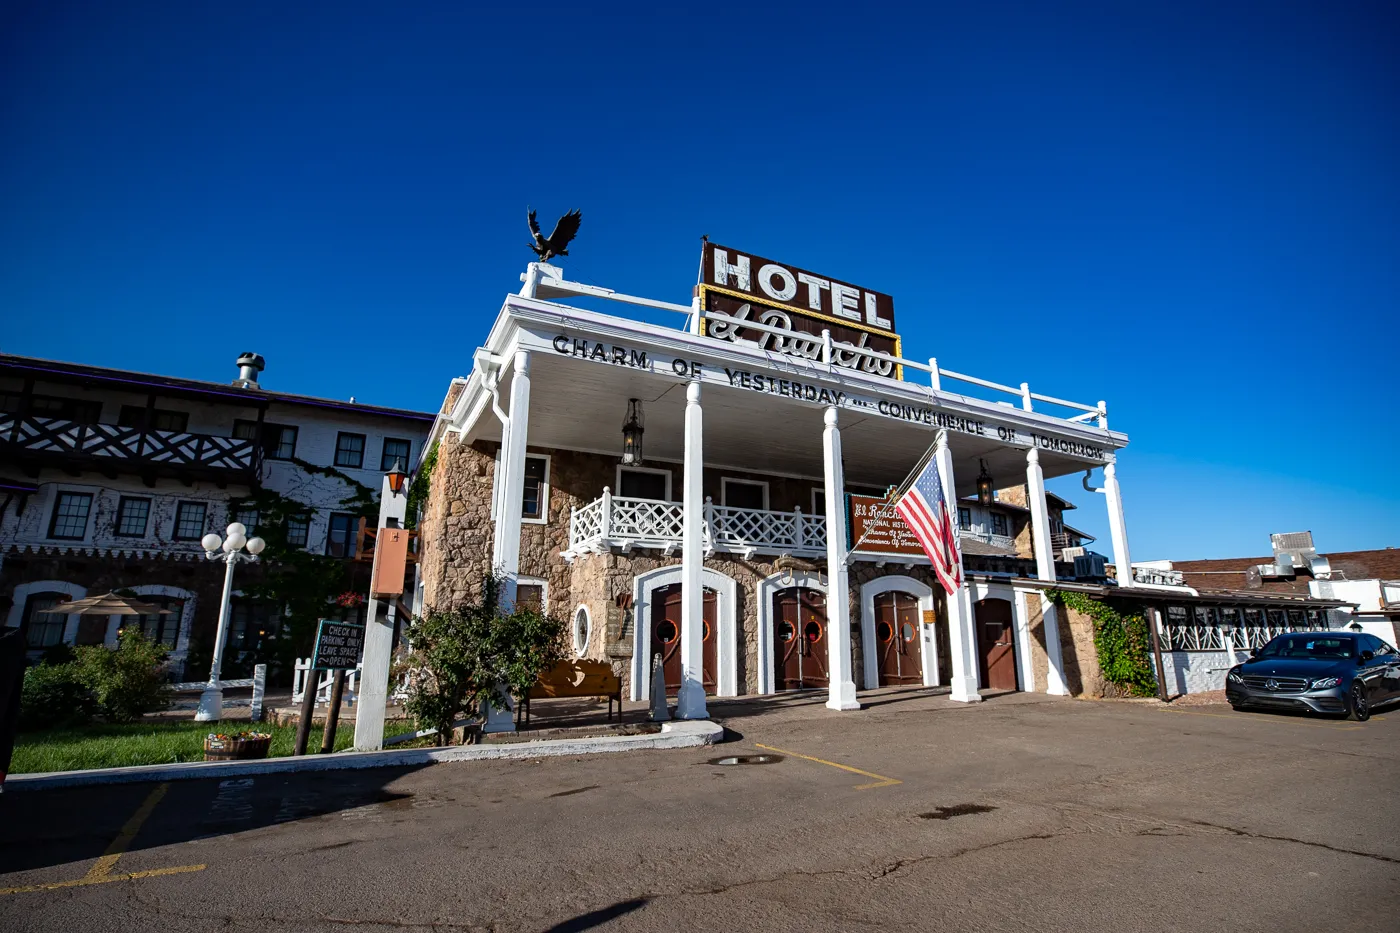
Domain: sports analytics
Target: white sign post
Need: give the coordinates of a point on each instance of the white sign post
(379, 638)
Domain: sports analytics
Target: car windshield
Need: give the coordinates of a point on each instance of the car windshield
(1308, 646)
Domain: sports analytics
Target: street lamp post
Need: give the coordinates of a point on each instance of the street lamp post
(226, 549)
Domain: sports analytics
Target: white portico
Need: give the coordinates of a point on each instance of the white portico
(754, 433)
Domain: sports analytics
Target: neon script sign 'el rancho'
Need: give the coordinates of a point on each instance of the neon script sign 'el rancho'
(740, 288)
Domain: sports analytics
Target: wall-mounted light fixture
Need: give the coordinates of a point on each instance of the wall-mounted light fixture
(632, 430)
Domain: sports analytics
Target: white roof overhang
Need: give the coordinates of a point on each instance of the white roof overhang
(762, 410)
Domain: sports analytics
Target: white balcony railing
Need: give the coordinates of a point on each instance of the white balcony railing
(1157, 577)
(612, 521)
(986, 537)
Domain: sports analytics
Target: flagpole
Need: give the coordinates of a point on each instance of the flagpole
(896, 491)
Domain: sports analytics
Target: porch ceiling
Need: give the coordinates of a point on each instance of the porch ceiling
(582, 408)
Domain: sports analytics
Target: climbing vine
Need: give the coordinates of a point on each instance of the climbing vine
(1123, 643)
(418, 489)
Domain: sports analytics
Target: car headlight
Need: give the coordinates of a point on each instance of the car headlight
(1234, 677)
(1325, 682)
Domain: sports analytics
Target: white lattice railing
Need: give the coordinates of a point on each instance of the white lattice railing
(613, 521)
(986, 537)
(1207, 628)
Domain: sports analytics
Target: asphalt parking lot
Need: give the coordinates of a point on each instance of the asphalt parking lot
(1019, 813)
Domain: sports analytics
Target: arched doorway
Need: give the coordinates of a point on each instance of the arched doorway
(996, 648)
(666, 636)
(720, 660)
(898, 645)
(799, 639)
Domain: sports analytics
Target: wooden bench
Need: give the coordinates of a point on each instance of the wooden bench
(577, 678)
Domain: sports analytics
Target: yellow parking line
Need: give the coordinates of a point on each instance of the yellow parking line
(1282, 722)
(880, 779)
(101, 871)
(102, 879)
(108, 861)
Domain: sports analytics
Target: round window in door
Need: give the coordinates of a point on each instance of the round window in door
(812, 631)
(666, 632)
(884, 632)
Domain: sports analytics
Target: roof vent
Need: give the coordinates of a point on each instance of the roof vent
(249, 366)
(1294, 551)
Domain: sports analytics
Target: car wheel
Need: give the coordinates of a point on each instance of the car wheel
(1237, 707)
(1357, 705)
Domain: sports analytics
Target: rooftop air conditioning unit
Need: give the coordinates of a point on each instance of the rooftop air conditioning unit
(1090, 565)
(1072, 553)
(1294, 551)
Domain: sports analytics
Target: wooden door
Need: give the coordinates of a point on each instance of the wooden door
(666, 636)
(898, 639)
(996, 653)
(799, 639)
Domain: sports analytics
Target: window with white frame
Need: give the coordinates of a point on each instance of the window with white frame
(531, 593)
(643, 483)
(583, 630)
(999, 524)
(964, 518)
(534, 502)
(190, 520)
(70, 516)
(743, 493)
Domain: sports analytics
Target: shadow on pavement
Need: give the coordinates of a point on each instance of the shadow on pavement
(596, 918)
(53, 827)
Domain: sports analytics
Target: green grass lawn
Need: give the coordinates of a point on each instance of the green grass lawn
(104, 745)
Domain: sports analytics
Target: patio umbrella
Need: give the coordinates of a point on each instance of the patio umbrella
(109, 605)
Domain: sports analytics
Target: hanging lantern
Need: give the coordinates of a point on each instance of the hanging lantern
(632, 430)
(397, 477)
(984, 485)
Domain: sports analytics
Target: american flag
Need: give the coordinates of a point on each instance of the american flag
(925, 511)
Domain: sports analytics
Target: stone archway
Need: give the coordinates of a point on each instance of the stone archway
(644, 590)
(769, 587)
(928, 641)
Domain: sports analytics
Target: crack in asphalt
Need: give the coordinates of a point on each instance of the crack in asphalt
(1302, 842)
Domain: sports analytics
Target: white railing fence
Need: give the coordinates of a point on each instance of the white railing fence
(323, 684)
(1157, 577)
(613, 520)
(1211, 628)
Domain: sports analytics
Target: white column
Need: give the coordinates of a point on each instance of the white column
(841, 688)
(962, 639)
(505, 561)
(690, 701)
(1117, 530)
(1045, 570)
(379, 639)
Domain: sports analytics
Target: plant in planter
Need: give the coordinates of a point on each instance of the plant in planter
(468, 657)
(236, 746)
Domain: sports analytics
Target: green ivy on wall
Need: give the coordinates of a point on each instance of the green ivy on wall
(1123, 643)
(418, 489)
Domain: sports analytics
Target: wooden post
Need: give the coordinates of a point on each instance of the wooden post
(308, 708)
(1154, 617)
(333, 714)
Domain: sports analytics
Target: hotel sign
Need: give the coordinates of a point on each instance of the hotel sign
(875, 528)
(740, 287)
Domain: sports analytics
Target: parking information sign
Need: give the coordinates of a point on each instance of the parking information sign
(338, 646)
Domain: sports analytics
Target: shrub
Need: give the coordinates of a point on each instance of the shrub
(54, 697)
(128, 681)
(468, 657)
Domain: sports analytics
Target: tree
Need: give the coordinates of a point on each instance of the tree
(471, 656)
(127, 682)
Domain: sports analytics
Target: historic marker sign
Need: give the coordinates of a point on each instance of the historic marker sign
(875, 528)
(738, 287)
(338, 646)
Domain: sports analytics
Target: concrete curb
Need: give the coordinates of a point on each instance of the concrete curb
(672, 735)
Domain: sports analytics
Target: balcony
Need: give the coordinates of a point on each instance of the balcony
(615, 522)
(35, 442)
(986, 537)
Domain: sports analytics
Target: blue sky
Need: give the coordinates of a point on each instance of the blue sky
(1188, 211)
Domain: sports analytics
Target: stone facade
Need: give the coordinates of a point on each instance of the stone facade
(456, 537)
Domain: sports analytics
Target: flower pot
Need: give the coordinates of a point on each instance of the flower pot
(245, 747)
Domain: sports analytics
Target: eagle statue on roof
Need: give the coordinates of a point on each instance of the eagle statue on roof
(557, 243)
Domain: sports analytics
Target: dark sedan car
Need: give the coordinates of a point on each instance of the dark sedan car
(1325, 672)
